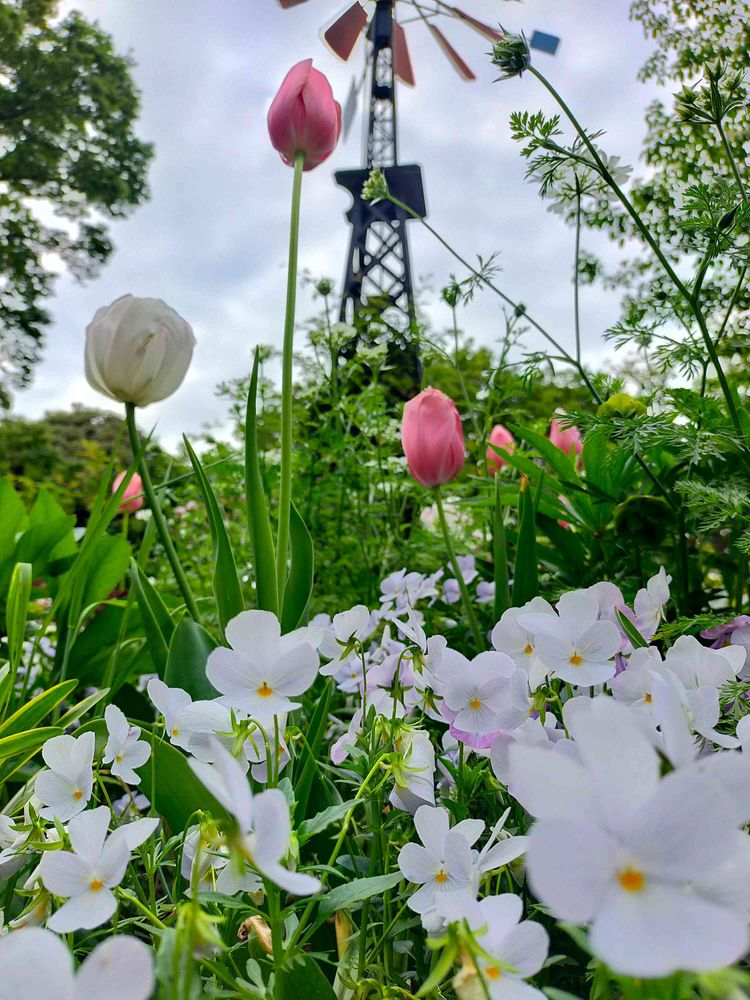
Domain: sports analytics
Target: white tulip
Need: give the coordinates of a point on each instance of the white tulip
(137, 350)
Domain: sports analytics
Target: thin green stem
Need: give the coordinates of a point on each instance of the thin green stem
(732, 161)
(277, 941)
(158, 516)
(285, 483)
(465, 597)
(576, 313)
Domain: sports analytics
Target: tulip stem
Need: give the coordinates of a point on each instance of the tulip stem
(158, 516)
(465, 597)
(285, 484)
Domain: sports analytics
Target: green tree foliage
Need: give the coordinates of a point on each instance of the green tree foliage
(68, 151)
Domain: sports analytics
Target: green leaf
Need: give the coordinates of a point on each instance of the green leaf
(109, 564)
(186, 660)
(345, 897)
(166, 780)
(308, 755)
(81, 708)
(500, 555)
(556, 459)
(258, 520)
(323, 820)
(17, 612)
(37, 544)
(299, 585)
(630, 630)
(307, 980)
(12, 518)
(226, 582)
(526, 569)
(27, 717)
(157, 622)
(11, 746)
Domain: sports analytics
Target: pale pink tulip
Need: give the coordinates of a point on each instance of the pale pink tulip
(432, 438)
(304, 117)
(132, 500)
(566, 438)
(501, 437)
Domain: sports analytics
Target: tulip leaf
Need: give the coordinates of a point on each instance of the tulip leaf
(345, 897)
(12, 518)
(27, 717)
(17, 611)
(186, 660)
(258, 519)
(500, 555)
(157, 622)
(300, 582)
(526, 569)
(630, 630)
(109, 564)
(226, 581)
(11, 746)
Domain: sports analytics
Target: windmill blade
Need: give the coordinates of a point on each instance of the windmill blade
(460, 66)
(401, 59)
(480, 26)
(286, 4)
(342, 35)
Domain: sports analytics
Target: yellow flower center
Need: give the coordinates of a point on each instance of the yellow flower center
(631, 879)
(175, 732)
(576, 660)
(77, 794)
(528, 649)
(96, 884)
(264, 690)
(442, 877)
(492, 972)
(118, 758)
(475, 704)
(648, 699)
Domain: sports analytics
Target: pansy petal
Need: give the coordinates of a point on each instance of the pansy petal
(84, 912)
(525, 948)
(87, 832)
(120, 967)
(31, 960)
(272, 827)
(256, 634)
(65, 873)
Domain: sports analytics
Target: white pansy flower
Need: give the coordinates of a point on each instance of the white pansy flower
(696, 665)
(264, 670)
(264, 823)
(66, 787)
(650, 602)
(415, 775)
(124, 751)
(517, 642)
(94, 867)
(36, 965)
(170, 702)
(477, 691)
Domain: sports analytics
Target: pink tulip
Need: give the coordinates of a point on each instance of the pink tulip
(432, 438)
(567, 439)
(501, 438)
(304, 116)
(131, 499)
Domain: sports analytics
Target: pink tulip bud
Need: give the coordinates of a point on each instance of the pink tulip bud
(432, 438)
(567, 439)
(501, 438)
(131, 500)
(304, 116)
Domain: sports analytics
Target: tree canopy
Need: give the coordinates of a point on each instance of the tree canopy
(69, 156)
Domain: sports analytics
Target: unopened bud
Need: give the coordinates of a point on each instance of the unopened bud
(257, 926)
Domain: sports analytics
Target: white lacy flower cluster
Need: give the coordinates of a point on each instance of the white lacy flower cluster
(635, 786)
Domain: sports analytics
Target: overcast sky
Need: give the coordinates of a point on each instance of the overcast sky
(212, 241)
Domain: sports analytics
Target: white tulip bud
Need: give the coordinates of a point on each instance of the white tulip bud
(137, 350)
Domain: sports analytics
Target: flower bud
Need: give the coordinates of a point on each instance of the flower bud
(501, 438)
(304, 117)
(511, 55)
(432, 438)
(137, 350)
(132, 500)
(566, 438)
(621, 405)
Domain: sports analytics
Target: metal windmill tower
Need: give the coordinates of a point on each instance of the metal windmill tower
(378, 265)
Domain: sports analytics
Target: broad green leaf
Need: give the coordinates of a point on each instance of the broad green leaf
(27, 717)
(17, 611)
(557, 460)
(81, 708)
(306, 980)
(166, 779)
(500, 555)
(12, 519)
(11, 746)
(226, 581)
(345, 897)
(299, 585)
(323, 820)
(37, 543)
(258, 520)
(526, 568)
(109, 565)
(186, 660)
(308, 755)
(157, 622)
